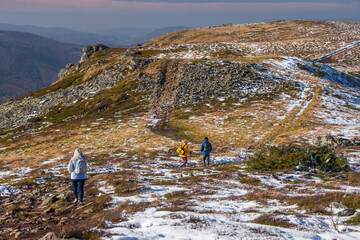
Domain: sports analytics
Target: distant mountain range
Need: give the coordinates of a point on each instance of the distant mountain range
(30, 62)
(117, 37)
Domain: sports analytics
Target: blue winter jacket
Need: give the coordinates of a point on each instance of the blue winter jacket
(202, 148)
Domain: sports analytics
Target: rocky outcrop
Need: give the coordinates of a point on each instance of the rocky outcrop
(18, 113)
(346, 212)
(87, 52)
(131, 52)
(330, 140)
(170, 84)
(178, 83)
(90, 50)
(66, 70)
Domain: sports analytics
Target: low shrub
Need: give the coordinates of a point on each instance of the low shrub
(272, 158)
(355, 220)
(267, 219)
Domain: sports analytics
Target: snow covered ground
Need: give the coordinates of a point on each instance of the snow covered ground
(225, 213)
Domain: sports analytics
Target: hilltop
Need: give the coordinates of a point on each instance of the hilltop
(244, 86)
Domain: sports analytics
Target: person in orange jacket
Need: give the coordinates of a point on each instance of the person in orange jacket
(186, 153)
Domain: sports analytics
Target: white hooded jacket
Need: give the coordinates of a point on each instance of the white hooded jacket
(72, 165)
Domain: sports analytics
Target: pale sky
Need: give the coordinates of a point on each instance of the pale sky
(95, 15)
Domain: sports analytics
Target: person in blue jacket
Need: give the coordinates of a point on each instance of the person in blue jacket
(206, 149)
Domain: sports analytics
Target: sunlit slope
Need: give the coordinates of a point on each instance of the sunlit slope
(123, 99)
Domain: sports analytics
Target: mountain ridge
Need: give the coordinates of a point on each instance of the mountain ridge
(30, 62)
(118, 37)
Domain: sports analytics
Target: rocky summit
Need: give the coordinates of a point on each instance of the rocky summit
(279, 101)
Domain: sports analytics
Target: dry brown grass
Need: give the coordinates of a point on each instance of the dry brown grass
(262, 196)
(318, 203)
(257, 32)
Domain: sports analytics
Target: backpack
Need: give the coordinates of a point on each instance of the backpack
(81, 166)
(181, 150)
(207, 147)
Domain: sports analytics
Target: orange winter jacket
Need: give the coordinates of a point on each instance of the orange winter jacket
(186, 149)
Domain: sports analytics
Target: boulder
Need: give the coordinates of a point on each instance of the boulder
(66, 70)
(330, 140)
(346, 212)
(50, 210)
(90, 50)
(48, 200)
(131, 52)
(337, 205)
(49, 236)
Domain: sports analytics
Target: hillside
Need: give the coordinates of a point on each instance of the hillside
(30, 62)
(129, 109)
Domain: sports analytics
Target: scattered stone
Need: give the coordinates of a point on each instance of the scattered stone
(340, 176)
(48, 200)
(131, 52)
(50, 210)
(284, 181)
(346, 212)
(333, 141)
(276, 177)
(279, 212)
(66, 70)
(308, 175)
(63, 221)
(16, 233)
(49, 236)
(100, 62)
(337, 205)
(63, 196)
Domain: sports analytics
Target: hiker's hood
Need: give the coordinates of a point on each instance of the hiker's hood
(78, 154)
(206, 140)
(185, 141)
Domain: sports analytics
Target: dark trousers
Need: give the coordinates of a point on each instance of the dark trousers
(184, 161)
(78, 184)
(206, 158)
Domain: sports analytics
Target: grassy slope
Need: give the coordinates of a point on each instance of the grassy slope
(273, 31)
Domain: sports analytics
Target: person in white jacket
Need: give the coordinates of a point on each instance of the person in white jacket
(77, 168)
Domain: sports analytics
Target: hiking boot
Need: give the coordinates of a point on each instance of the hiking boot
(75, 200)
